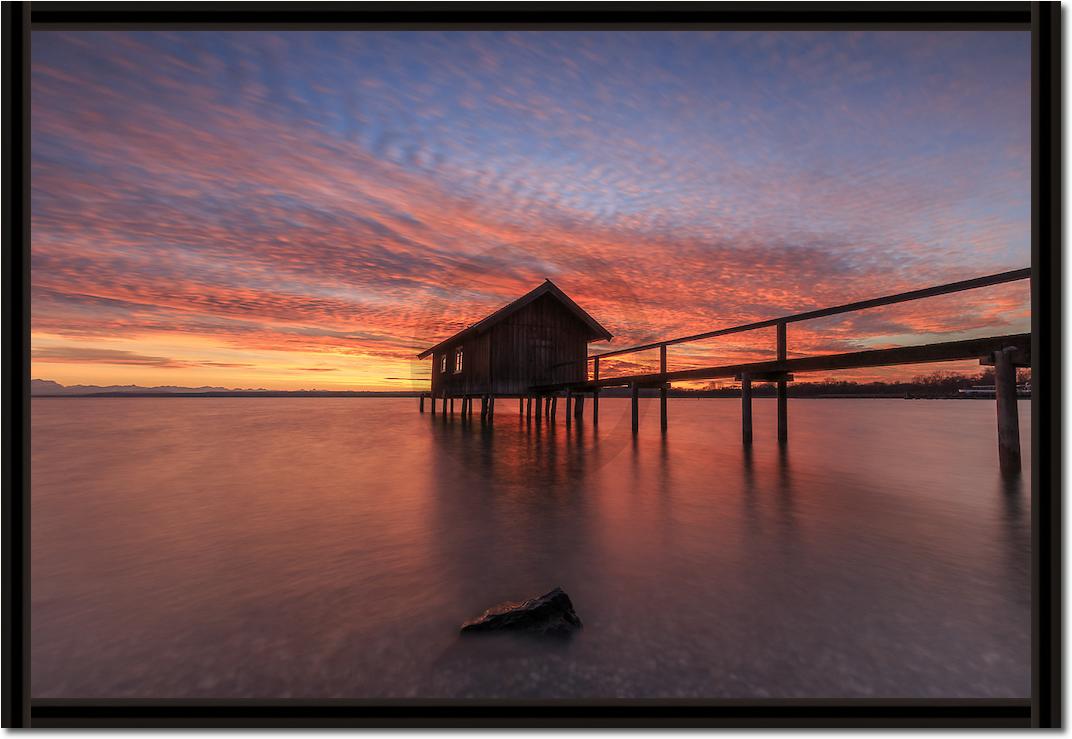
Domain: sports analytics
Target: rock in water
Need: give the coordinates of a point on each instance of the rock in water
(551, 613)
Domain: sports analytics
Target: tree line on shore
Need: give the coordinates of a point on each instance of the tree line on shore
(939, 384)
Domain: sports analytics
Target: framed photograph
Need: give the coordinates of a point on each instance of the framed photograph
(530, 365)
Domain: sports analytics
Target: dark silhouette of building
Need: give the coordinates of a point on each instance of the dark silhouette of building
(540, 338)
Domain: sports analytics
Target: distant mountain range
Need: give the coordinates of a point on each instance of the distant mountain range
(49, 388)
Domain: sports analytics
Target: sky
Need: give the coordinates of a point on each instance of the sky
(311, 209)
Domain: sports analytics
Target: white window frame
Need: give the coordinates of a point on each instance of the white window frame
(443, 363)
(459, 360)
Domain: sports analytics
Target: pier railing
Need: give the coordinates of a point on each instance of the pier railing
(781, 322)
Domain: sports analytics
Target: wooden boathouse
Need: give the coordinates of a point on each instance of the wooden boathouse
(539, 339)
(535, 349)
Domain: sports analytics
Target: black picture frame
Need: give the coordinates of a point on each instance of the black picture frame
(1044, 709)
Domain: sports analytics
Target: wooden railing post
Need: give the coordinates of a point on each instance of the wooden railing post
(663, 388)
(746, 408)
(595, 393)
(783, 389)
(1008, 413)
(635, 393)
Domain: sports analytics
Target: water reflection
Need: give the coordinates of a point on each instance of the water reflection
(259, 548)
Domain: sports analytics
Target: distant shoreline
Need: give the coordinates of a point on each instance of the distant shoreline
(414, 395)
(240, 394)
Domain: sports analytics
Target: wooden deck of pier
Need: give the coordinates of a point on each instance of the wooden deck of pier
(1004, 353)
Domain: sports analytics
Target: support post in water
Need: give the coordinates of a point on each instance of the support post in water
(569, 405)
(578, 407)
(635, 391)
(528, 406)
(422, 402)
(491, 408)
(547, 406)
(783, 390)
(452, 406)
(595, 392)
(1008, 415)
(663, 389)
(554, 407)
(539, 405)
(746, 408)
(521, 406)
(431, 397)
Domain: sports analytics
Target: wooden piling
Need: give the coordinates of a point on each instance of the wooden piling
(422, 402)
(432, 398)
(521, 406)
(528, 406)
(746, 408)
(569, 406)
(663, 389)
(635, 392)
(483, 408)
(783, 389)
(578, 407)
(547, 406)
(452, 406)
(491, 408)
(595, 407)
(554, 407)
(1008, 413)
(539, 405)
(783, 410)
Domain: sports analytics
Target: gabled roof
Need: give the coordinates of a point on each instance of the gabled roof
(547, 288)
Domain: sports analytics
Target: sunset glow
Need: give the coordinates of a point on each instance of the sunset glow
(311, 210)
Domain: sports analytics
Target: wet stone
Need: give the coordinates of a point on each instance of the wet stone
(551, 614)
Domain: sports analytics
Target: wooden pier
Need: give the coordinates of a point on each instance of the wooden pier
(1004, 353)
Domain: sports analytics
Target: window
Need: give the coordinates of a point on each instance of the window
(443, 363)
(457, 360)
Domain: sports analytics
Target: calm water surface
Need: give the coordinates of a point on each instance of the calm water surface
(315, 547)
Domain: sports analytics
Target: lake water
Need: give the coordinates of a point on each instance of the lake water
(330, 548)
